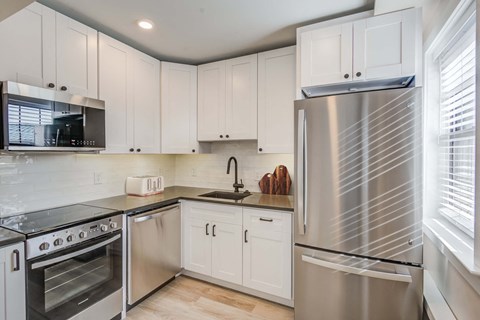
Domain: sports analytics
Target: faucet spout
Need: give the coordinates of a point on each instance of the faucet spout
(236, 185)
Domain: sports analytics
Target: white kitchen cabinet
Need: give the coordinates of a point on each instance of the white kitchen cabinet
(77, 54)
(178, 92)
(326, 55)
(28, 46)
(374, 48)
(12, 282)
(276, 93)
(129, 82)
(385, 46)
(211, 101)
(267, 251)
(212, 243)
(227, 100)
(44, 48)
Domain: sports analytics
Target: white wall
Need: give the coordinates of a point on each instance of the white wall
(33, 182)
(209, 170)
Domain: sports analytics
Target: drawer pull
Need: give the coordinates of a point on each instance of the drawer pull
(266, 220)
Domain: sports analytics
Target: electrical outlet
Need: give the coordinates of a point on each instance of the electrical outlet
(160, 172)
(97, 178)
(194, 172)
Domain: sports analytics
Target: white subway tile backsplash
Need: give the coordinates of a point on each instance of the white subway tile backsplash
(30, 182)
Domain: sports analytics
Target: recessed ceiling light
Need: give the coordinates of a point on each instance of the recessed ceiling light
(145, 24)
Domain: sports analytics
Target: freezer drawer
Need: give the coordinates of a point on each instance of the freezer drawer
(154, 241)
(334, 286)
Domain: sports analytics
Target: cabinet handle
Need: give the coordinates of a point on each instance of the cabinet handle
(213, 230)
(16, 260)
(131, 150)
(193, 150)
(138, 150)
(51, 85)
(260, 149)
(206, 229)
(358, 74)
(221, 136)
(246, 241)
(346, 75)
(63, 88)
(266, 220)
(227, 136)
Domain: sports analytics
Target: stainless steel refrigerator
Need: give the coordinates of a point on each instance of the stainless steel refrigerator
(358, 206)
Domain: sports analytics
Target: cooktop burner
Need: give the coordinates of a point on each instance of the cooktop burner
(51, 219)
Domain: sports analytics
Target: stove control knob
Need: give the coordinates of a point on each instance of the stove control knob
(113, 225)
(70, 238)
(83, 234)
(103, 228)
(44, 246)
(58, 242)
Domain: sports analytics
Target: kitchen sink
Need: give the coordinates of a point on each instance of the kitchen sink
(226, 195)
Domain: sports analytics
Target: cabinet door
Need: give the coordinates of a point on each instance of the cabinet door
(326, 55)
(146, 103)
(241, 98)
(276, 93)
(197, 245)
(267, 252)
(211, 101)
(12, 283)
(384, 46)
(178, 94)
(76, 57)
(28, 46)
(227, 252)
(115, 88)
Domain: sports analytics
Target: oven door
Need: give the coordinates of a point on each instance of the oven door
(63, 284)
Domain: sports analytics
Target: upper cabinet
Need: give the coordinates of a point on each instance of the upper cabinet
(50, 50)
(227, 100)
(178, 92)
(276, 93)
(129, 82)
(374, 48)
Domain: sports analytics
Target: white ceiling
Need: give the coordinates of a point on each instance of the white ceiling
(199, 31)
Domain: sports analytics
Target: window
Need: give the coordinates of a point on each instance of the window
(456, 64)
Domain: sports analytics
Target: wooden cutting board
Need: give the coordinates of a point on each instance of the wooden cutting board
(268, 184)
(283, 178)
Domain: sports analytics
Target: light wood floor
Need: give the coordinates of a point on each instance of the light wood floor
(186, 298)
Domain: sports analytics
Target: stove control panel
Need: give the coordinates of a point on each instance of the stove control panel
(64, 238)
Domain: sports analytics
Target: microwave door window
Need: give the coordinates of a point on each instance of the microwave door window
(26, 125)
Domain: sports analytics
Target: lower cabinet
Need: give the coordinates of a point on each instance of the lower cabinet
(249, 247)
(267, 252)
(12, 282)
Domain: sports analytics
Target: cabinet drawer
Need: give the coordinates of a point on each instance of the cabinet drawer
(214, 212)
(267, 220)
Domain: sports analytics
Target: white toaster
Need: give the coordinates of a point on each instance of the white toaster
(144, 185)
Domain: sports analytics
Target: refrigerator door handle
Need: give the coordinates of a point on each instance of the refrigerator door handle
(358, 271)
(302, 172)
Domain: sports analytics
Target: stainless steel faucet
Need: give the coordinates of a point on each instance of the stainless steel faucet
(236, 185)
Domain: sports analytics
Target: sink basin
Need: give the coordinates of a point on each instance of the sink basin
(226, 195)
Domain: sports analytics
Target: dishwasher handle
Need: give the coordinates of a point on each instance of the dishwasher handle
(155, 213)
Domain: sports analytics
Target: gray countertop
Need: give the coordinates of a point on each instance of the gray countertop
(173, 194)
(9, 237)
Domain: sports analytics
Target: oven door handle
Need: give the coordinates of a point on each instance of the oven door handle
(74, 254)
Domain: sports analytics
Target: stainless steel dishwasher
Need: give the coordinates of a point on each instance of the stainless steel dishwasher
(154, 241)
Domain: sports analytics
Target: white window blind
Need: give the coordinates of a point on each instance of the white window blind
(457, 128)
(22, 121)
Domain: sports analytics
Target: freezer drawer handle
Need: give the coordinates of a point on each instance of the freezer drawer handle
(358, 271)
(153, 214)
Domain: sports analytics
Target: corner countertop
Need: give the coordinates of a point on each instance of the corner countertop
(171, 195)
(9, 237)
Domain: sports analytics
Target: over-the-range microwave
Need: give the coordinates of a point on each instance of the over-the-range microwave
(38, 119)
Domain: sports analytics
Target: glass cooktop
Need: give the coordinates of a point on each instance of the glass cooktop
(51, 219)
